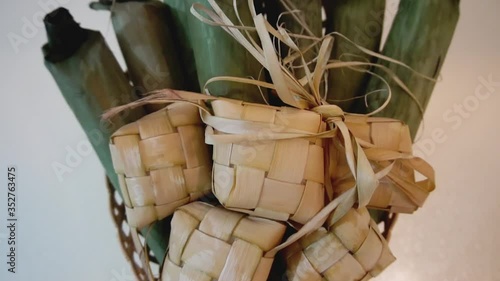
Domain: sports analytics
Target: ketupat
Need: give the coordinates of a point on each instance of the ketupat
(361, 21)
(276, 179)
(398, 191)
(162, 163)
(212, 243)
(420, 37)
(90, 80)
(350, 249)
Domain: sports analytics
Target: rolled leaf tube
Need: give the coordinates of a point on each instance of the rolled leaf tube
(216, 53)
(148, 46)
(420, 37)
(361, 21)
(179, 10)
(90, 80)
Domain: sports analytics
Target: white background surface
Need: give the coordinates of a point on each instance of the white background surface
(65, 231)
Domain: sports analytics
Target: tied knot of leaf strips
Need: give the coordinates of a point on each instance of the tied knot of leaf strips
(331, 113)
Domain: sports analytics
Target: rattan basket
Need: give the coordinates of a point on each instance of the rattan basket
(398, 192)
(135, 256)
(276, 179)
(351, 249)
(211, 243)
(162, 163)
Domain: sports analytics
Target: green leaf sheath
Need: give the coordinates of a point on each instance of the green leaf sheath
(91, 82)
(157, 237)
(420, 37)
(310, 15)
(361, 21)
(216, 53)
(179, 10)
(150, 51)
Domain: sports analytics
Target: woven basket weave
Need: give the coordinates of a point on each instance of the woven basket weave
(352, 249)
(162, 163)
(117, 209)
(276, 179)
(398, 192)
(210, 243)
